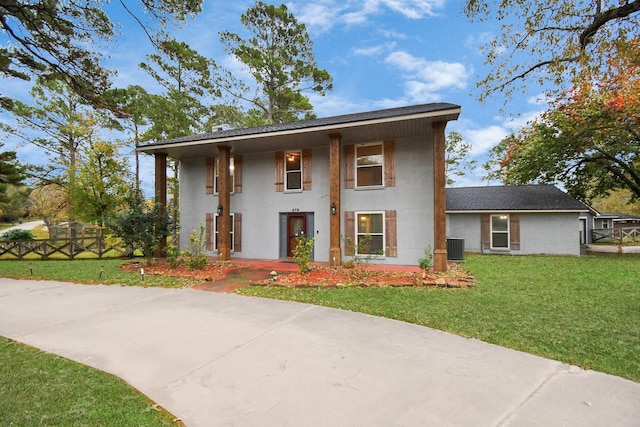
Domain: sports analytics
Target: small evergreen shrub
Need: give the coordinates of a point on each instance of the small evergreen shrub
(18, 235)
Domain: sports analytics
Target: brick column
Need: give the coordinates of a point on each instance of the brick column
(439, 199)
(335, 252)
(224, 208)
(161, 197)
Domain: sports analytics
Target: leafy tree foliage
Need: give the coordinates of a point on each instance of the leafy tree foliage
(617, 201)
(11, 173)
(102, 182)
(55, 39)
(140, 225)
(187, 78)
(49, 202)
(456, 161)
(131, 105)
(280, 58)
(551, 41)
(589, 141)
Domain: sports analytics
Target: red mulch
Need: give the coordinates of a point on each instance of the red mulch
(227, 276)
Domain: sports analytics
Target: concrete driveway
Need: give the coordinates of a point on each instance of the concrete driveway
(226, 360)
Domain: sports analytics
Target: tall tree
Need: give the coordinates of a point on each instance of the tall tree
(457, 162)
(589, 140)
(11, 173)
(551, 41)
(133, 108)
(59, 123)
(101, 184)
(280, 58)
(183, 108)
(187, 78)
(49, 202)
(55, 39)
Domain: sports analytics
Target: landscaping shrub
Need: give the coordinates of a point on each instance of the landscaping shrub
(18, 235)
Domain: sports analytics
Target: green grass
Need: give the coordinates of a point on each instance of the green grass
(579, 310)
(38, 388)
(88, 271)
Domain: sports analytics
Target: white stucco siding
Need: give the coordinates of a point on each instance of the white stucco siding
(194, 202)
(540, 233)
(262, 206)
(467, 227)
(550, 233)
(411, 198)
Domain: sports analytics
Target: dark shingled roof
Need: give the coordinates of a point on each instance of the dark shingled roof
(310, 124)
(544, 197)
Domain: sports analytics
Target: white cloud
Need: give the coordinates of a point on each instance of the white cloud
(424, 78)
(374, 50)
(322, 15)
(483, 139)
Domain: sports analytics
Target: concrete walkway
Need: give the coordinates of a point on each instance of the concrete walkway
(226, 360)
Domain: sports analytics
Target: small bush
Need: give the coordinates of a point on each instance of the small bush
(18, 235)
(302, 253)
(425, 262)
(195, 256)
(8, 218)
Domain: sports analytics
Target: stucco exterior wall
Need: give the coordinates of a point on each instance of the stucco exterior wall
(540, 233)
(262, 207)
(555, 234)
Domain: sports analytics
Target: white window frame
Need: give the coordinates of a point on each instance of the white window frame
(383, 234)
(381, 165)
(287, 171)
(508, 232)
(215, 232)
(231, 175)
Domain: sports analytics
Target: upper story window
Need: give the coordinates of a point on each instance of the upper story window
(293, 171)
(369, 165)
(231, 174)
(499, 231)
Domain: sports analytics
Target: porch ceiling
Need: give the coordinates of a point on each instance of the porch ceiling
(362, 127)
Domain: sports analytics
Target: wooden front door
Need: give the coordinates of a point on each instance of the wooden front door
(296, 227)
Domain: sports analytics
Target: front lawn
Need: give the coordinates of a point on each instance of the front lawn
(105, 271)
(41, 389)
(579, 310)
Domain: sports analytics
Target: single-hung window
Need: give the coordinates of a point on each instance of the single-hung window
(293, 171)
(369, 161)
(500, 231)
(370, 236)
(231, 168)
(230, 233)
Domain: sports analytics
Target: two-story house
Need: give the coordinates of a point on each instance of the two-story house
(367, 184)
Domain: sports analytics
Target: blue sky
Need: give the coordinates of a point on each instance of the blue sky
(380, 53)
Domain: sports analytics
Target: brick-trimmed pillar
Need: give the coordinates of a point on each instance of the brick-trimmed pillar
(161, 197)
(224, 205)
(335, 252)
(439, 199)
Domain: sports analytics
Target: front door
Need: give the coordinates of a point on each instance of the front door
(296, 227)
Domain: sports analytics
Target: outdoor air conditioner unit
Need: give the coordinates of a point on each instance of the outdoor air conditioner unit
(455, 249)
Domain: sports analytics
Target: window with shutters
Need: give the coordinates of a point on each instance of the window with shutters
(369, 165)
(370, 233)
(231, 232)
(500, 232)
(293, 171)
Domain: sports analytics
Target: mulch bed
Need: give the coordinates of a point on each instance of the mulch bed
(368, 277)
(227, 276)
